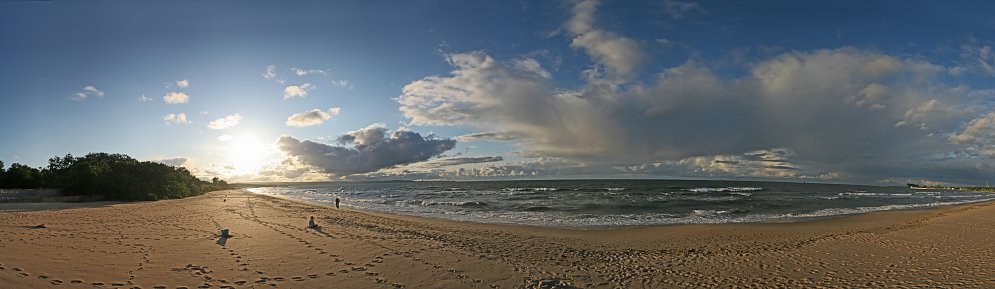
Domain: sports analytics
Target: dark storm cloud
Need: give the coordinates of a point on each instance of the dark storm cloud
(366, 150)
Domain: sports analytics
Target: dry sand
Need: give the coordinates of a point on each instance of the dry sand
(175, 244)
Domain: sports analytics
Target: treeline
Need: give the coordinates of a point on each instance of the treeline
(115, 176)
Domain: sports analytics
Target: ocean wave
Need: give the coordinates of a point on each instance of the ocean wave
(449, 203)
(725, 189)
(537, 189)
(614, 189)
(860, 210)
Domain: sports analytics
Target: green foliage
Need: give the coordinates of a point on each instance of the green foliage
(22, 176)
(116, 176)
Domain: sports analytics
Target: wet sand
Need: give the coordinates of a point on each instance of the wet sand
(175, 244)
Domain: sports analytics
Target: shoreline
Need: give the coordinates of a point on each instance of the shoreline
(618, 227)
(176, 243)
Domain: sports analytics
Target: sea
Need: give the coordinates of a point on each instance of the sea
(620, 203)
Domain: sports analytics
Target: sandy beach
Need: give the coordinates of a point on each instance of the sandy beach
(176, 244)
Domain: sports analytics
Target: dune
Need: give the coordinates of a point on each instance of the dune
(177, 244)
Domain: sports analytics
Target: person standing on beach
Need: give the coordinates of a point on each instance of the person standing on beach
(336, 202)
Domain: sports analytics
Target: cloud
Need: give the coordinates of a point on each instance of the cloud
(182, 83)
(176, 118)
(174, 97)
(839, 111)
(87, 91)
(978, 136)
(297, 90)
(463, 161)
(225, 122)
(366, 150)
(488, 136)
(340, 83)
(175, 161)
(313, 117)
(303, 72)
(144, 98)
(677, 9)
(270, 72)
(620, 54)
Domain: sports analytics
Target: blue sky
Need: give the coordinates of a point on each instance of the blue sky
(835, 91)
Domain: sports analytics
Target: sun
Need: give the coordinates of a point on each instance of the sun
(247, 154)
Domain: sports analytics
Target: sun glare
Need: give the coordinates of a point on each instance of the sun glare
(247, 154)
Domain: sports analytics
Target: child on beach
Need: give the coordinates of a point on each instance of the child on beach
(311, 224)
(336, 202)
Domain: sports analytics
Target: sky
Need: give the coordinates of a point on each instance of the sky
(875, 92)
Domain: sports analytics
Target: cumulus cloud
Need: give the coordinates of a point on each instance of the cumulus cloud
(224, 122)
(182, 83)
(839, 110)
(87, 91)
(366, 150)
(621, 54)
(176, 118)
(978, 136)
(824, 114)
(174, 97)
(292, 91)
(313, 117)
(270, 72)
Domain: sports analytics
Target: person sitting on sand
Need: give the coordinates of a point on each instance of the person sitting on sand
(311, 224)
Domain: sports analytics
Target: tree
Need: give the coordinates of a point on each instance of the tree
(21, 177)
(115, 176)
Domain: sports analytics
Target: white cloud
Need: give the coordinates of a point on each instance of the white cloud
(174, 97)
(297, 90)
(182, 83)
(144, 98)
(225, 138)
(225, 122)
(176, 118)
(531, 65)
(270, 72)
(978, 136)
(303, 72)
(620, 54)
(313, 117)
(88, 91)
(340, 83)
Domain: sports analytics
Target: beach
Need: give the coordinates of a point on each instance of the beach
(177, 244)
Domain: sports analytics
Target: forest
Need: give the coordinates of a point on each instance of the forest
(114, 176)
